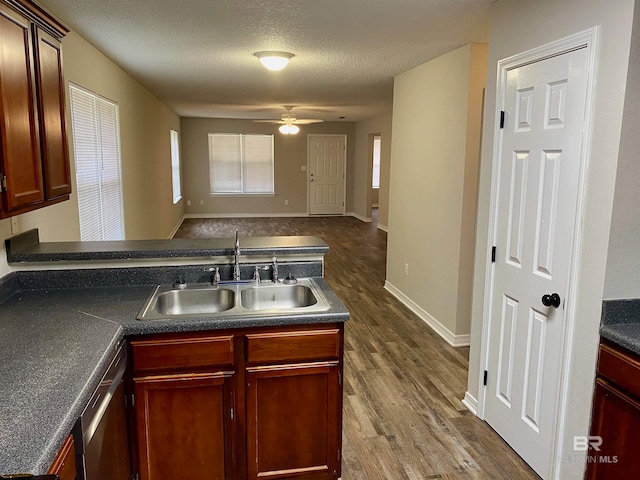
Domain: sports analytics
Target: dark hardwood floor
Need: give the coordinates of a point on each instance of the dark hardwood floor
(403, 416)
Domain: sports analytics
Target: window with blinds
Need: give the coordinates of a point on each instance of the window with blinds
(240, 164)
(175, 166)
(96, 141)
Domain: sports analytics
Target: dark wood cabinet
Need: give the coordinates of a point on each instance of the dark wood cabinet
(182, 425)
(616, 416)
(34, 160)
(253, 403)
(64, 465)
(294, 404)
(293, 421)
(184, 388)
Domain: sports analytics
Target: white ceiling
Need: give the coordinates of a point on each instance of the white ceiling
(197, 55)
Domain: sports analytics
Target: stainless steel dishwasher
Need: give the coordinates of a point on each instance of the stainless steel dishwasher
(100, 434)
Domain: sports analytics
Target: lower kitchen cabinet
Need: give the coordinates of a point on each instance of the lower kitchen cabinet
(182, 425)
(64, 465)
(293, 421)
(616, 416)
(242, 404)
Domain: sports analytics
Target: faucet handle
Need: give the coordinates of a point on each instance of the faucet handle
(256, 275)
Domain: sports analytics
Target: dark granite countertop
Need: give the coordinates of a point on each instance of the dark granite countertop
(26, 248)
(621, 323)
(56, 344)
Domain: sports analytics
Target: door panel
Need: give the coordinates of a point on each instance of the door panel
(292, 421)
(536, 204)
(21, 144)
(326, 174)
(193, 443)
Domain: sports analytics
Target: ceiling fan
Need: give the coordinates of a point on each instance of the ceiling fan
(289, 121)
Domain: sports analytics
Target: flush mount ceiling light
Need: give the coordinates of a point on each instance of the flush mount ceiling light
(274, 60)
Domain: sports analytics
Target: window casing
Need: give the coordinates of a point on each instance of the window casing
(240, 164)
(96, 140)
(175, 166)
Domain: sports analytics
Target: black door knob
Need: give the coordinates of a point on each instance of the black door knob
(552, 300)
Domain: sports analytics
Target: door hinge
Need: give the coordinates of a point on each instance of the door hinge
(493, 254)
(232, 414)
(3, 182)
(502, 119)
(133, 400)
(134, 476)
(484, 381)
(339, 378)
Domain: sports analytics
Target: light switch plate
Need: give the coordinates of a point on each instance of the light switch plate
(303, 168)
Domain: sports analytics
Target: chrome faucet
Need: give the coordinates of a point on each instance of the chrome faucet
(236, 254)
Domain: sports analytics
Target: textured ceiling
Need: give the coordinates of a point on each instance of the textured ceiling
(197, 55)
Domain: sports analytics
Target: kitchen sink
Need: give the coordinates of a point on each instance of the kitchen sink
(194, 301)
(279, 296)
(231, 300)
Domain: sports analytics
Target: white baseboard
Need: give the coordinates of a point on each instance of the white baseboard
(471, 403)
(384, 228)
(245, 215)
(359, 217)
(451, 338)
(177, 227)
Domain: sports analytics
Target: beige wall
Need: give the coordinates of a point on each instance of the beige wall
(434, 157)
(290, 155)
(517, 26)
(363, 167)
(145, 122)
(623, 261)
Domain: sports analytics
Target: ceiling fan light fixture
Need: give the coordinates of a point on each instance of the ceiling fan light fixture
(289, 129)
(274, 61)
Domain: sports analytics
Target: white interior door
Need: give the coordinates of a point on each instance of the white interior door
(535, 216)
(326, 164)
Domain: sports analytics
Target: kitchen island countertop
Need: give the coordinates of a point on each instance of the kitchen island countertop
(56, 345)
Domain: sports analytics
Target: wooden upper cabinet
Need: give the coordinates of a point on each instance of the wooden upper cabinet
(21, 160)
(34, 160)
(57, 176)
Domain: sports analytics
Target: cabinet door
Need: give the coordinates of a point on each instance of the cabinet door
(64, 465)
(21, 162)
(53, 137)
(293, 421)
(616, 418)
(183, 423)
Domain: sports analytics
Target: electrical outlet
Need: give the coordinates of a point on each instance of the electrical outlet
(406, 269)
(188, 203)
(201, 202)
(286, 202)
(303, 168)
(15, 226)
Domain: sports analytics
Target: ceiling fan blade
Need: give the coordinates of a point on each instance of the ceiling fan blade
(269, 121)
(307, 121)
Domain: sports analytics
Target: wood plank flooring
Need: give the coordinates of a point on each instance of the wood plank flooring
(403, 416)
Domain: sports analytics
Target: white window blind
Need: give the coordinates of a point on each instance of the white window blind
(175, 166)
(96, 142)
(240, 164)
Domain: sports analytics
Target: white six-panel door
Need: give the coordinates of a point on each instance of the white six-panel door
(535, 215)
(326, 162)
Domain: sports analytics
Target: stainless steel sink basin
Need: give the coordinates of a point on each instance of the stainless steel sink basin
(233, 301)
(269, 297)
(201, 299)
